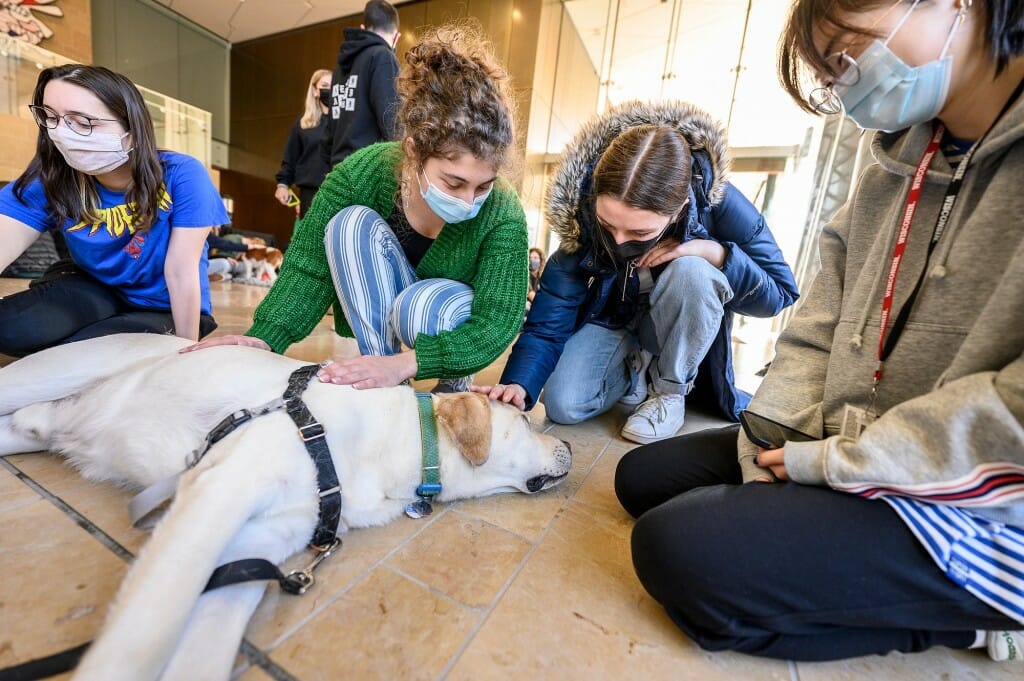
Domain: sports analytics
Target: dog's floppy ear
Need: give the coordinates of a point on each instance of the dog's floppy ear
(466, 417)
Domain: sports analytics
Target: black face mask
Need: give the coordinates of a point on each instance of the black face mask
(325, 96)
(631, 250)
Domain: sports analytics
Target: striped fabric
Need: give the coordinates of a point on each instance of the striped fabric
(380, 296)
(982, 556)
(987, 485)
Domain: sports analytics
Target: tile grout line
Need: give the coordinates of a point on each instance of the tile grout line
(794, 671)
(250, 651)
(355, 580)
(261, 659)
(434, 590)
(79, 519)
(489, 610)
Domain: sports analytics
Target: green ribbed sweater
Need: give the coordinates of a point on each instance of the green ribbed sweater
(489, 253)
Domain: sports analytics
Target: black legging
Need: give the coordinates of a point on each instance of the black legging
(66, 305)
(306, 195)
(784, 570)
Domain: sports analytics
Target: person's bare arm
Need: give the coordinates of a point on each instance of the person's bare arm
(15, 237)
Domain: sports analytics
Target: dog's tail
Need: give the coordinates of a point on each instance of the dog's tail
(66, 369)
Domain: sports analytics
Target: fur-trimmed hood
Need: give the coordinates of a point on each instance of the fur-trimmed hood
(702, 132)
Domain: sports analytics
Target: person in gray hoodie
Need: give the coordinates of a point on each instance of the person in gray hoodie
(900, 524)
(364, 99)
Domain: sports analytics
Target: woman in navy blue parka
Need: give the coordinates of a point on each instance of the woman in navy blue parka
(657, 251)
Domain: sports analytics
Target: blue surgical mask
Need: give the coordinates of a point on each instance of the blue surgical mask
(889, 95)
(450, 208)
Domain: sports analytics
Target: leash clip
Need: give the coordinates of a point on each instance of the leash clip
(297, 582)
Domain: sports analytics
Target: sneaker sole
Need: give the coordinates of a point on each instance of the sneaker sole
(645, 439)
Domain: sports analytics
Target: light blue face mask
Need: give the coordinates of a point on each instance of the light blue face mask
(889, 95)
(450, 208)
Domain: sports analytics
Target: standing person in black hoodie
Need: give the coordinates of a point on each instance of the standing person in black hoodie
(302, 164)
(363, 96)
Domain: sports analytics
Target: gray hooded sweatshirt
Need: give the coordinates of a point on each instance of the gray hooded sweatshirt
(951, 403)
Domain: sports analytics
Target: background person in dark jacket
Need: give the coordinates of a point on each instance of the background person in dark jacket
(364, 101)
(657, 251)
(302, 164)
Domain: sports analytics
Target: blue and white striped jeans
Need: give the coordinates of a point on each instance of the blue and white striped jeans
(384, 302)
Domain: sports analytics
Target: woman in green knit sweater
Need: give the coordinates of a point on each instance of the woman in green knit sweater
(415, 243)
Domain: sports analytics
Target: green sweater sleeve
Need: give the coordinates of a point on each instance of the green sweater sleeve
(304, 290)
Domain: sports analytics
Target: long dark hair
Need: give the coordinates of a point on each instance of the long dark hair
(71, 194)
(799, 64)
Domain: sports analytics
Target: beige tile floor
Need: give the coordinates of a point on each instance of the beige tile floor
(496, 588)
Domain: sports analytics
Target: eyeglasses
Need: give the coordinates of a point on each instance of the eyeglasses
(844, 68)
(824, 99)
(78, 123)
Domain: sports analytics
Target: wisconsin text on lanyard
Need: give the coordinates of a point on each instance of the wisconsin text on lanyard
(913, 196)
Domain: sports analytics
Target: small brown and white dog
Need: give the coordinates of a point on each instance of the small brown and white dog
(262, 263)
(254, 493)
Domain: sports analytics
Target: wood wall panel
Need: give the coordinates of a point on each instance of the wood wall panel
(269, 75)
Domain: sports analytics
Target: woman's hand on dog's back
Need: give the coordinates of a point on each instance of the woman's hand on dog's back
(247, 341)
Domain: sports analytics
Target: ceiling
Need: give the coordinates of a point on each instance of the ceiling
(241, 20)
(718, 54)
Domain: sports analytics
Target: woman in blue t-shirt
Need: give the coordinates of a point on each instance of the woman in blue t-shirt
(135, 220)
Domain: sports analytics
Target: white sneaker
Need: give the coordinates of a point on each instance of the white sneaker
(1005, 646)
(638, 361)
(661, 416)
(453, 385)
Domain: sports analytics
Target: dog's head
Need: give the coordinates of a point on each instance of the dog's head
(500, 450)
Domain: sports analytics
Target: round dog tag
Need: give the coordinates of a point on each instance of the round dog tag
(419, 509)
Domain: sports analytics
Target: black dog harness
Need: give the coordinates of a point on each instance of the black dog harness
(325, 537)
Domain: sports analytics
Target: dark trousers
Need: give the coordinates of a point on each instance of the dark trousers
(306, 195)
(67, 305)
(784, 570)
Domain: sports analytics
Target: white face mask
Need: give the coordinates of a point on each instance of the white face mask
(450, 208)
(93, 154)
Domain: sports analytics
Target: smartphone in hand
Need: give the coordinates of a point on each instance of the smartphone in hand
(768, 434)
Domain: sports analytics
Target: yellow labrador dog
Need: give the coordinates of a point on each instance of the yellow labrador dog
(129, 408)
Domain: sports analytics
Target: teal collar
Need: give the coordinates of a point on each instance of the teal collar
(430, 485)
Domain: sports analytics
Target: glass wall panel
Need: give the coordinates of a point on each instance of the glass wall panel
(162, 51)
(565, 94)
(178, 126)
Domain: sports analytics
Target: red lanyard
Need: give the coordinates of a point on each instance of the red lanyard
(885, 346)
(901, 245)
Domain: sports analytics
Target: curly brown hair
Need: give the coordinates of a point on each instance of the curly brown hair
(456, 97)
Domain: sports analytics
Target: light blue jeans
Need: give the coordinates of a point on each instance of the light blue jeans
(384, 302)
(677, 325)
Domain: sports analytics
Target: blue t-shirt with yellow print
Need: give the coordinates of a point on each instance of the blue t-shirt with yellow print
(112, 251)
